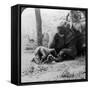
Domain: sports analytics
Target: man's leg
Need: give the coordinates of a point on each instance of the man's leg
(67, 54)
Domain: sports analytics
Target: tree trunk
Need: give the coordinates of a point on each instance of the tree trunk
(38, 26)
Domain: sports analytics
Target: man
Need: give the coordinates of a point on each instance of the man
(42, 55)
(57, 42)
(64, 43)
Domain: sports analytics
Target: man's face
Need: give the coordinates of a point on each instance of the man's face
(77, 27)
(37, 57)
(61, 30)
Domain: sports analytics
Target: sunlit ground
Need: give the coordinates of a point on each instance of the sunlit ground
(66, 70)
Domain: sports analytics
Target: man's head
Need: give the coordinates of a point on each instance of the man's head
(60, 29)
(36, 59)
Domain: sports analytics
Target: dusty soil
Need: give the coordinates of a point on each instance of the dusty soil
(67, 70)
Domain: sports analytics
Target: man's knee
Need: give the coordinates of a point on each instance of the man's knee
(67, 54)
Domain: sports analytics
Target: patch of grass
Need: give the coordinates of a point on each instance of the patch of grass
(67, 74)
(67, 70)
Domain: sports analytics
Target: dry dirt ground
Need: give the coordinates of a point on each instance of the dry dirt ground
(66, 70)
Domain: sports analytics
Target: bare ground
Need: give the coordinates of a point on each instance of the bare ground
(67, 70)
